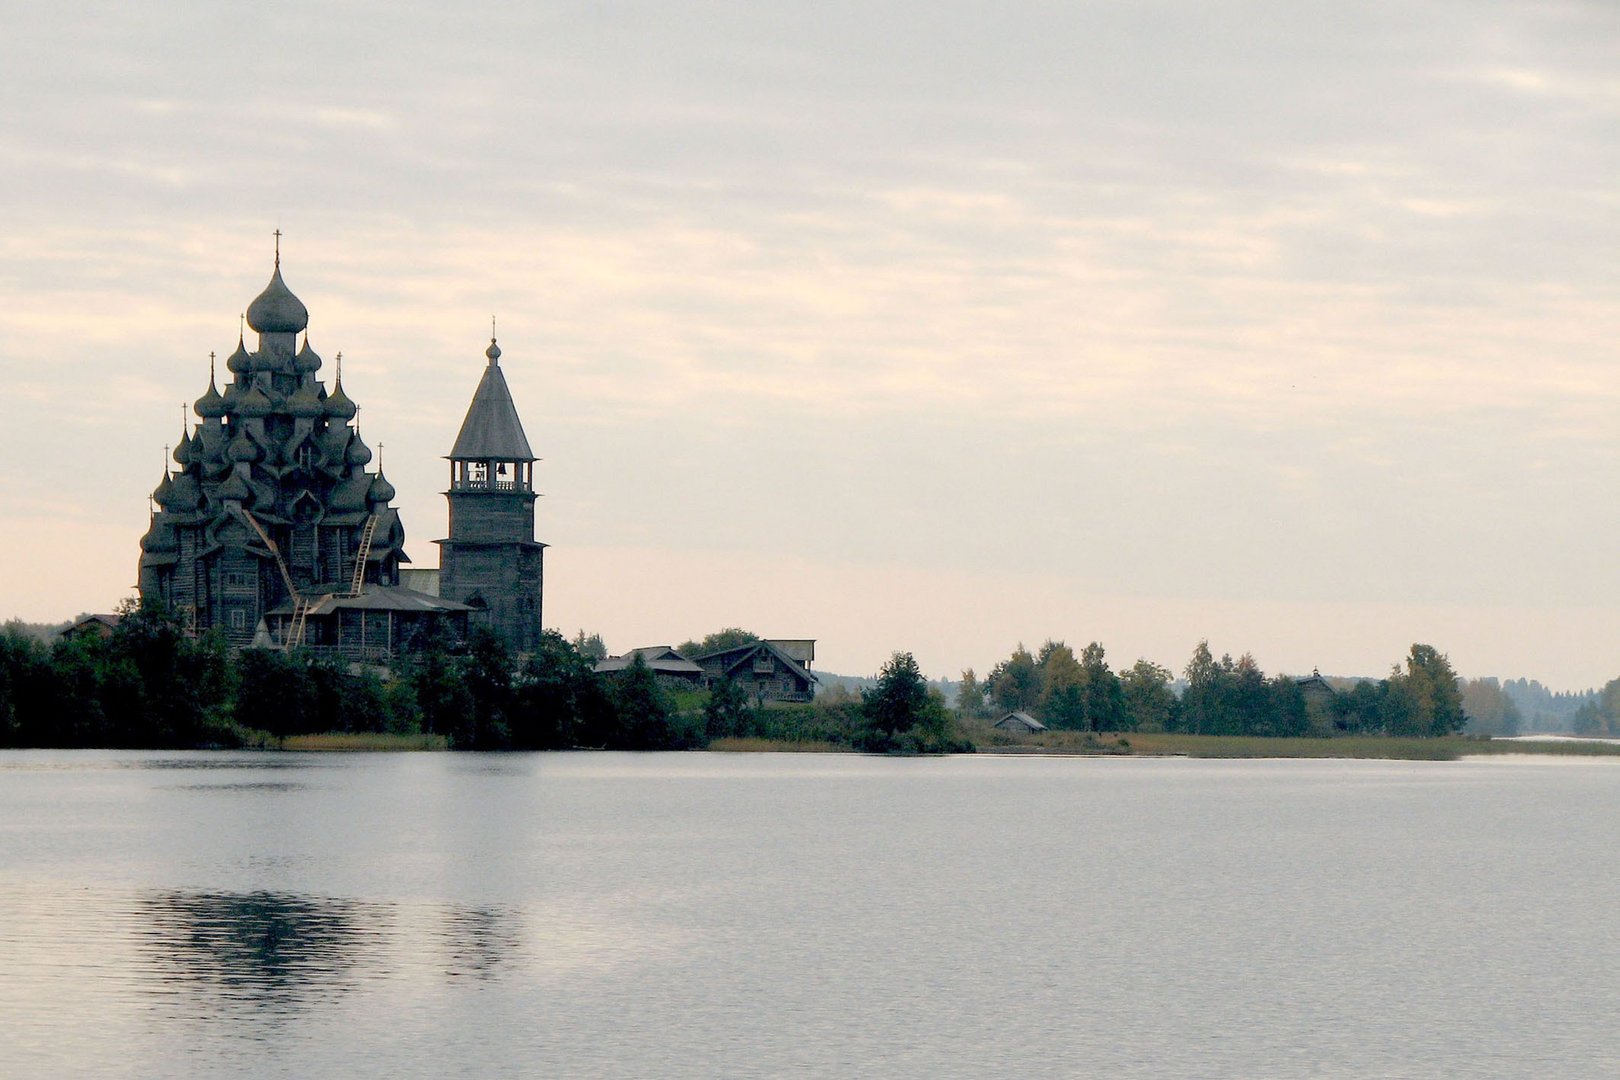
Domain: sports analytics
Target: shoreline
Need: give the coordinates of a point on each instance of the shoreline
(1083, 744)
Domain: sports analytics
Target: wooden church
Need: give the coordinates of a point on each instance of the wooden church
(274, 530)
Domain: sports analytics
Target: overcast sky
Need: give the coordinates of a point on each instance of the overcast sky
(934, 326)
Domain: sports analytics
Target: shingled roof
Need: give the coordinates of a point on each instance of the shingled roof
(492, 429)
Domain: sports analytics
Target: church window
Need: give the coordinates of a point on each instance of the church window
(238, 619)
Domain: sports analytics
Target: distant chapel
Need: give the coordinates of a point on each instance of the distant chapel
(274, 531)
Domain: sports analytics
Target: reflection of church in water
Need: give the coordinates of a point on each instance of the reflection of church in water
(274, 530)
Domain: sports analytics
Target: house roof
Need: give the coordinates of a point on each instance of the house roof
(377, 598)
(492, 429)
(89, 621)
(729, 660)
(662, 659)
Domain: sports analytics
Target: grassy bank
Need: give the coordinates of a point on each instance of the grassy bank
(363, 741)
(1159, 744)
(775, 746)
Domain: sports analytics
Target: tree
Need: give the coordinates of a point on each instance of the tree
(899, 714)
(969, 697)
(1101, 691)
(438, 685)
(1198, 703)
(1490, 711)
(726, 714)
(162, 686)
(641, 709)
(487, 672)
(1149, 703)
(1428, 702)
(1015, 683)
(591, 648)
(559, 699)
(1062, 700)
(274, 693)
(719, 641)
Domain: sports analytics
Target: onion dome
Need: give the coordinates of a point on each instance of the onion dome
(243, 448)
(159, 539)
(277, 310)
(308, 361)
(209, 449)
(493, 352)
(182, 450)
(264, 359)
(359, 453)
(234, 488)
(335, 442)
(253, 403)
(239, 362)
(164, 489)
(350, 494)
(210, 406)
(338, 403)
(381, 490)
(187, 493)
(303, 403)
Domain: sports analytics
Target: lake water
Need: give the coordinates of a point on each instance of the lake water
(708, 915)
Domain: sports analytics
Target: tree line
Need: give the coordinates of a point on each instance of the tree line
(1218, 696)
(149, 684)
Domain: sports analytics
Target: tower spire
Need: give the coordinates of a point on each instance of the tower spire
(278, 249)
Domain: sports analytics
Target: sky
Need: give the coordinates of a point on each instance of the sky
(930, 327)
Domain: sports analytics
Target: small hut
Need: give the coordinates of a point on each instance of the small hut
(1019, 723)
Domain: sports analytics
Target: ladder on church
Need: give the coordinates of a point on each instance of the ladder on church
(362, 555)
(281, 564)
(300, 618)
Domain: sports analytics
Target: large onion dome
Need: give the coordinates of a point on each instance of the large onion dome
(303, 403)
(308, 361)
(338, 403)
(239, 362)
(253, 403)
(381, 490)
(210, 406)
(277, 310)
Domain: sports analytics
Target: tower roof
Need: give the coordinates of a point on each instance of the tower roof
(492, 429)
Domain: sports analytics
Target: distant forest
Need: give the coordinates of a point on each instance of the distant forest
(149, 684)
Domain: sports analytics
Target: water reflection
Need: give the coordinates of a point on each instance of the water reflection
(479, 942)
(268, 955)
(262, 785)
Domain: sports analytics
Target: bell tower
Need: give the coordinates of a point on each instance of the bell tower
(491, 560)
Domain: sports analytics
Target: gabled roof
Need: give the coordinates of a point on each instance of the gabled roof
(100, 623)
(662, 659)
(729, 660)
(376, 598)
(1019, 718)
(492, 428)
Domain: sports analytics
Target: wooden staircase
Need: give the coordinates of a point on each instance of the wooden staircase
(362, 555)
(300, 618)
